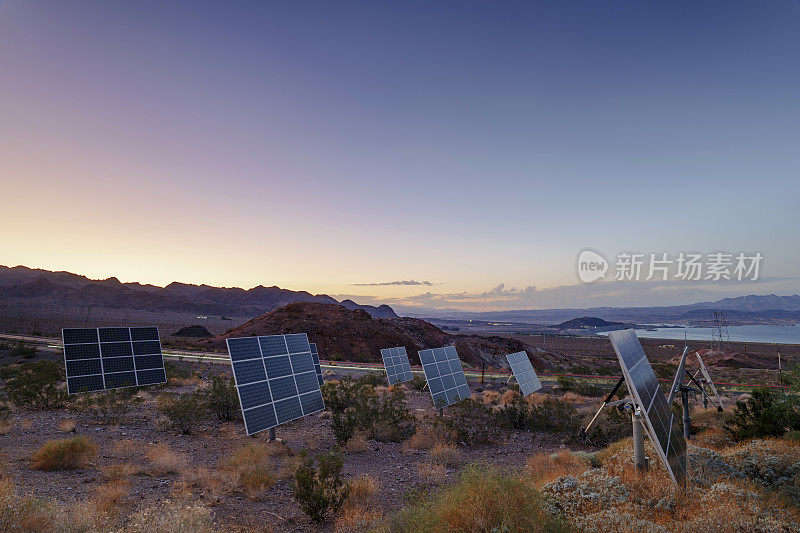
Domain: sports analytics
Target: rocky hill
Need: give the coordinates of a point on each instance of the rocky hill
(586, 322)
(353, 335)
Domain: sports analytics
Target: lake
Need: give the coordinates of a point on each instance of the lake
(755, 333)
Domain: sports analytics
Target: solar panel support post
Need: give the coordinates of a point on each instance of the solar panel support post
(687, 418)
(639, 458)
(272, 437)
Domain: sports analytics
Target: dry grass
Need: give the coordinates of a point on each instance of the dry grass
(446, 455)
(359, 512)
(258, 466)
(509, 396)
(357, 444)
(109, 497)
(715, 438)
(6, 426)
(124, 448)
(484, 499)
(208, 485)
(545, 467)
(67, 425)
(431, 473)
(25, 424)
(490, 397)
(163, 460)
(171, 518)
(20, 511)
(119, 471)
(425, 437)
(575, 398)
(64, 454)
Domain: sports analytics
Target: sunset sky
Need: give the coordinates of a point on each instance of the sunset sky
(474, 148)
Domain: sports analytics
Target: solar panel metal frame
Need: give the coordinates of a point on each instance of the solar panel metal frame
(268, 383)
(703, 370)
(524, 373)
(396, 365)
(657, 417)
(97, 359)
(315, 357)
(439, 364)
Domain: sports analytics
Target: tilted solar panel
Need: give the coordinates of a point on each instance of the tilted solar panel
(658, 420)
(110, 358)
(445, 375)
(717, 400)
(523, 370)
(395, 361)
(315, 356)
(276, 379)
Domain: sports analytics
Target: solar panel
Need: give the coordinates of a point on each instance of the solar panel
(315, 356)
(445, 375)
(111, 358)
(648, 396)
(717, 400)
(523, 370)
(276, 379)
(395, 361)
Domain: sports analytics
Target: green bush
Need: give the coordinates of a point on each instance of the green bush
(34, 385)
(470, 423)
(552, 415)
(767, 413)
(613, 425)
(320, 490)
(24, 350)
(418, 382)
(484, 499)
(355, 405)
(221, 398)
(373, 379)
(176, 370)
(107, 407)
(183, 411)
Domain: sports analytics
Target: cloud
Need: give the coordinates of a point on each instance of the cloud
(598, 294)
(393, 283)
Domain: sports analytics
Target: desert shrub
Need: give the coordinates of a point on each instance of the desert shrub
(579, 386)
(5, 412)
(320, 489)
(484, 499)
(551, 414)
(20, 511)
(417, 382)
(373, 379)
(24, 350)
(470, 423)
(176, 370)
(107, 407)
(446, 455)
(357, 406)
(613, 425)
(767, 413)
(34, 385)
(64, 454)
(182, 411)
(221, 398)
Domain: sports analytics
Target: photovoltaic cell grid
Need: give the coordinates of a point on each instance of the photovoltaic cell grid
(276, 379)
(524, 372)
(703, 370)
(445, 375)
(395, 361)
(315, 356)
(659, 422)
(111, 358)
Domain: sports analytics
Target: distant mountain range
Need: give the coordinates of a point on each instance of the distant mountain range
(32, 287)
(751, 309)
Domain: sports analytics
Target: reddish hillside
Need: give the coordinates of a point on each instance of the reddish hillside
(353, 335)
